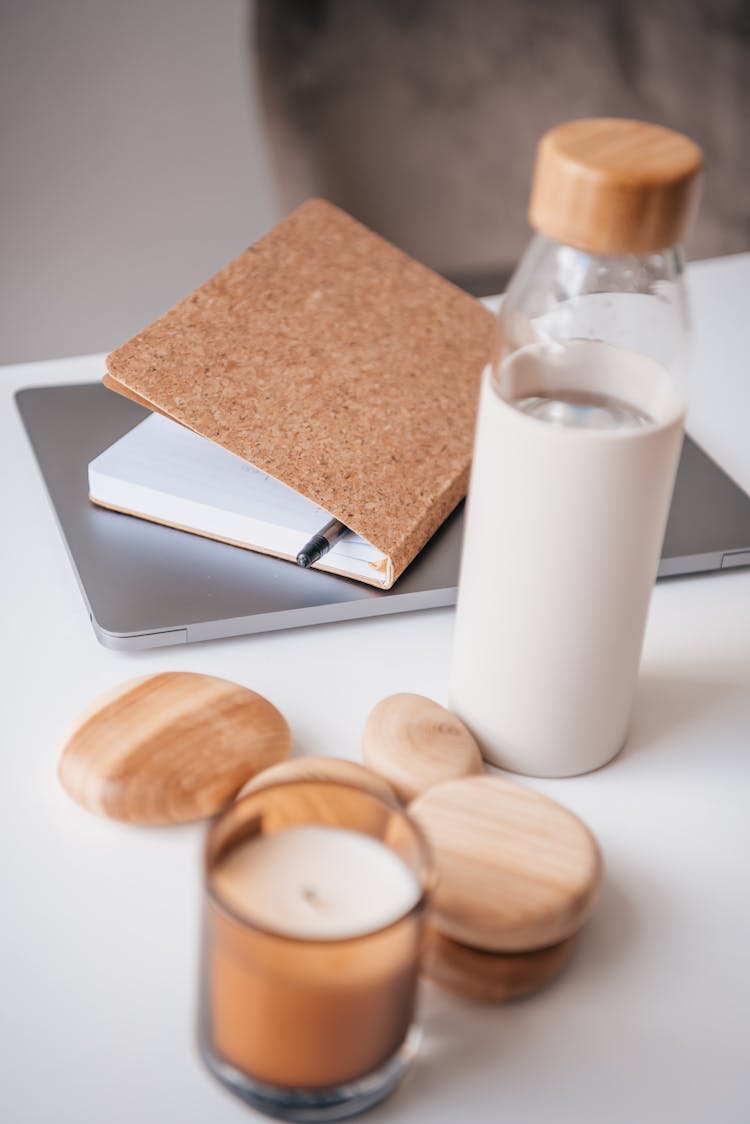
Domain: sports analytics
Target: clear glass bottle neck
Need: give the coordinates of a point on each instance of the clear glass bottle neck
(632, 301)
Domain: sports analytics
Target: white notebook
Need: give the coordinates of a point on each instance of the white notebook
(166, 473)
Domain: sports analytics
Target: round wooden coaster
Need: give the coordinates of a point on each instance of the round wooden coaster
(415, 743)
(492, 977)
(320, 769)
(170, 748)
(516, 871)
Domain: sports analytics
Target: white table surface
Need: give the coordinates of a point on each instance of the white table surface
(99, 932)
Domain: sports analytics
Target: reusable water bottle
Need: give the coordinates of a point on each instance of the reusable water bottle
(578, 439)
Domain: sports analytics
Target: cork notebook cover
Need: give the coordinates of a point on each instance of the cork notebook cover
(336, 364)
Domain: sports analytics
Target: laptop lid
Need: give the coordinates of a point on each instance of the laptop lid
(147, 585)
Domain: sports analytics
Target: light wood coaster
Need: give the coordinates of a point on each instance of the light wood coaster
(320, 769)
(492, 977)
(415, 743)
(170, 748)
(516, 871)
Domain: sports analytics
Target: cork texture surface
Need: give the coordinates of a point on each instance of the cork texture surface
(333, 362)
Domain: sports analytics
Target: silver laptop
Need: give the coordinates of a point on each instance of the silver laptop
(148, 586)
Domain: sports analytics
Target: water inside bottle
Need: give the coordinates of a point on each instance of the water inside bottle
(582, 410)
(587, 385)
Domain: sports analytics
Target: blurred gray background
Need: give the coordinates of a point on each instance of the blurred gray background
(144, 143)
(132, 164)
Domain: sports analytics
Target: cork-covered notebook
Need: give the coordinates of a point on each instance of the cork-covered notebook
(333, 364)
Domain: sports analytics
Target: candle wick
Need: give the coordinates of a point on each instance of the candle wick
(311, 897)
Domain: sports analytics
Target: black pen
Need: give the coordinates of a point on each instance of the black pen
(321, 543)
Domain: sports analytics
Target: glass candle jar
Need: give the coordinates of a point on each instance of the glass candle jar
(314, 908)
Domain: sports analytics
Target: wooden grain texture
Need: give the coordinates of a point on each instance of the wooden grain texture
(335, 363)
(615, 186)
(492, 977)
(320, 769)
(516, 871)
(415, 743)
(170, 748)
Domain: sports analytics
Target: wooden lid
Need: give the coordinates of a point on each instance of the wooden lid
(320, 769)
(415, 743)
(170, 748)
(516, 871)
(614, 186)
(491, 977)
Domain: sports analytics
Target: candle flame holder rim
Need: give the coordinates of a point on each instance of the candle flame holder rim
(212, 854)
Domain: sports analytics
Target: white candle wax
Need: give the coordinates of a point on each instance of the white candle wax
(316, 883)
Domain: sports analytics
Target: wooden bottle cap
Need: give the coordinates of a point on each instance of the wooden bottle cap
(613, 186)
(491, 977)
(516, 871)
(320, 769)
(170, 748)
(415, 743)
